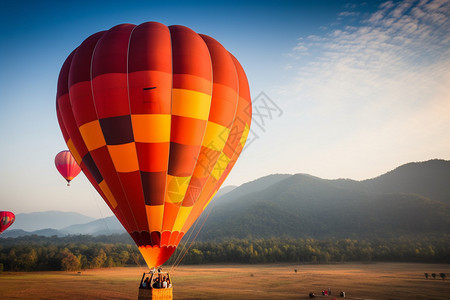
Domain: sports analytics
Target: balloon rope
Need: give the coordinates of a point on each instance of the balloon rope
(195, 237)
(188, 237)
(98, 207)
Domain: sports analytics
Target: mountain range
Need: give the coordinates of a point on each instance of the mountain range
(413, 199)
(65, 224)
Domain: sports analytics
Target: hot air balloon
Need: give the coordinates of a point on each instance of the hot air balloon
(156, 117)
(6, 220)
(66, 165)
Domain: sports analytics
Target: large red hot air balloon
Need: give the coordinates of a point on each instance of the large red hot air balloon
(66, 165)
(6, 220)
(156, 117)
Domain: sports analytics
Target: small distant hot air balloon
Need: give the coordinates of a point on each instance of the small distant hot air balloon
(6, 220)
(157, 117)
(66, 165)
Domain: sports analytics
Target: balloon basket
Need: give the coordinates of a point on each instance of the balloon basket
(160, 294)
(149, 288)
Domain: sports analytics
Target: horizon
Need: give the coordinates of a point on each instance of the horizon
(237, 186)
(340, 89)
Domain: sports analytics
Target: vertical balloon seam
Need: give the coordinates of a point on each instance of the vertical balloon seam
(204, 133)
(118, 207)
(166, 186)
(134, 139)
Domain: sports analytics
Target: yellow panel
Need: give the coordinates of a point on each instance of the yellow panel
(192, 104)
(152, 128)
(181, 218)
(105, 189)
(220, 166)
(74, 152)
(150, 255)
(244, 135)
(124, 157)
(215, 136)
(176, 188)
(209, 200)
(92, 135)
(155, 216)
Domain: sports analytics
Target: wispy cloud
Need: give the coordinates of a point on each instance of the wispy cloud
(379, 89)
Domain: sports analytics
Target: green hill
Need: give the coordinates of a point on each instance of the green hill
(410, 200)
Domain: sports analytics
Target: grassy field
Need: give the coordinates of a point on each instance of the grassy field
(359, 281)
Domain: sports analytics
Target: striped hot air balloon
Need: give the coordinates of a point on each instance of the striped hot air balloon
(66, 165)
(156, 117)
(6, 220)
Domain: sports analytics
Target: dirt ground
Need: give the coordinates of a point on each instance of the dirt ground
(358, 281)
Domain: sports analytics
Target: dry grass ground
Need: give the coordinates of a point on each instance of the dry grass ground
(359, 281)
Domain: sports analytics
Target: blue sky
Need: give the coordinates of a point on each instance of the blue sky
(357, 88)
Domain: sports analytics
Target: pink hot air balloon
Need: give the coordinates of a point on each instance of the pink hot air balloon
(66, 165)
(6, 220)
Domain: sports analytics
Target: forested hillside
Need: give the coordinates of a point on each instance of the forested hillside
(413, 199)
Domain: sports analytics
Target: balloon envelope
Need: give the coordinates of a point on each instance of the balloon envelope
(66, 165)
(6, 220)
(156, 117)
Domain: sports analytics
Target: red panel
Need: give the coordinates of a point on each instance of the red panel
(165, 238)
(81, 64)
(131, 185)
(82, 103)
(173, 238)
(111, 52)
(187, 131)
(223, 66)
(153, 157)
(154, 185)
(80, 81)
(156, 238)
(110, 61)
(190, 54)
(150, 48)
(63, 87)
(150, 92)
(182, 159)
(111, 95)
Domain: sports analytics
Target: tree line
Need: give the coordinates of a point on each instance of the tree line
(274, 250)
(69, 257)
(83, 252)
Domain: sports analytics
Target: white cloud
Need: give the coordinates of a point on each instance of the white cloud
(379, 90)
